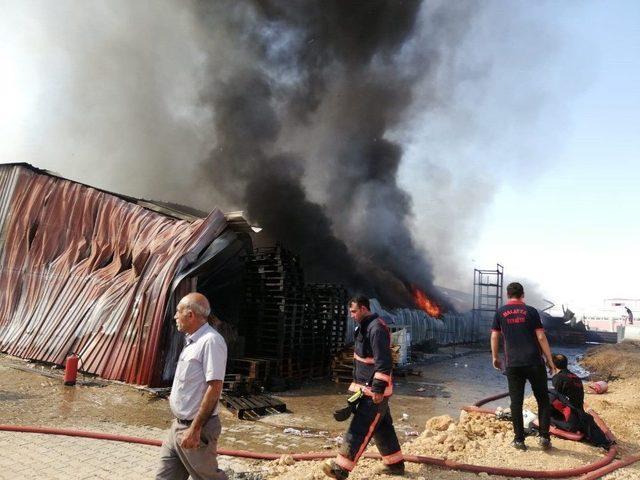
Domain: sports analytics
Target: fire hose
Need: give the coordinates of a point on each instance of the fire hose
(476, 408)
(590, 471)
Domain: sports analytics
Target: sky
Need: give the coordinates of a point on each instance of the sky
(561, 187)
(521, 150)
(575, 229)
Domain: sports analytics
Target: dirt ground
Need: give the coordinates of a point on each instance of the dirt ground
(484, 440)
(610, 362)
(426, 412)
(42, 399)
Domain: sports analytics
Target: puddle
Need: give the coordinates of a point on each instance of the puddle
(443, 388)
(13, 396)
(45, 400)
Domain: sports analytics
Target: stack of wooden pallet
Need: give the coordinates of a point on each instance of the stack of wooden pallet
(274, 310)
(298, 327)
(342, 364)
(324, 327)
(254, 372)
(237, 384)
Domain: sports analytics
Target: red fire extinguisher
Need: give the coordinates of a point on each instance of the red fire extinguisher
(71, 369)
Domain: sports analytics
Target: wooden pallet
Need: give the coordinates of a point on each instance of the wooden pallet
(237, 384)
(251, 407)
(300, 325)
(252, 368)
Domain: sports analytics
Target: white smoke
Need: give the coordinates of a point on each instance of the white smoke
(111, 93)
(119, 95)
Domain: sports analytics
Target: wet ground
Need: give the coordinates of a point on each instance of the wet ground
(35, 395)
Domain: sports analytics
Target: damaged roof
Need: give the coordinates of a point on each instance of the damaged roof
(88, 271)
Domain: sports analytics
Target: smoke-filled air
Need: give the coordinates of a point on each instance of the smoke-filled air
(316, 118)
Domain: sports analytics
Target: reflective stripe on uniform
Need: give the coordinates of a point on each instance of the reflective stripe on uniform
(393, 458)
(345, 463)
(368, 360)
(354, 387)
(365, 442)
(382, 376)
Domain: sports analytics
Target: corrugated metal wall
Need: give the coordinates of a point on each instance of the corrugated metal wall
(85, 271)
(451, 329)
(8, 178)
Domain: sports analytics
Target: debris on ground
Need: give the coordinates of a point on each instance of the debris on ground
(485, 440)
(469, 437)
(612, 361)
(304, 433)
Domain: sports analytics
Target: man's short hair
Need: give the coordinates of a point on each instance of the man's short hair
(515, 290)
(200, 309)
(560, 361)
(361, 301)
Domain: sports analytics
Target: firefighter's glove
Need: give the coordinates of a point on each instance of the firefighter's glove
(352, 404)
(342, 414)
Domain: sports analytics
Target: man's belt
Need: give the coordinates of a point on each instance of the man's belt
(189, 422)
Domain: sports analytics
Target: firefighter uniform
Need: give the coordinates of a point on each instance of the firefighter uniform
(371, 374)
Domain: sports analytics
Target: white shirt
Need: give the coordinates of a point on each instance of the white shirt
(203, 358)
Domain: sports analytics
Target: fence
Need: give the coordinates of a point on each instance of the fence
(452, 329)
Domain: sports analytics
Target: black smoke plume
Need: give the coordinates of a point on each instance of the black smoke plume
(302, 113)
(343, 70)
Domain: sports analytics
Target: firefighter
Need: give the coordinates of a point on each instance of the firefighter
(566, 382)
(567, 405)
(525, 342)
(372, 377)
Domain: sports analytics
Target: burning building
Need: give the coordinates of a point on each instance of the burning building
(87, 271)
(90, 272)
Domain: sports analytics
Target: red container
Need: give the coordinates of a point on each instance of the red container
(598, 387)
(71, 369)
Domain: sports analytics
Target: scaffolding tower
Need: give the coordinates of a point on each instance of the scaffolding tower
(487, 296)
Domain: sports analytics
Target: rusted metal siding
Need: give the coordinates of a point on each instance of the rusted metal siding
(88, 272)
(8, 176)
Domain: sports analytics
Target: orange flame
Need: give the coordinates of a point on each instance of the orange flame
(425, 303)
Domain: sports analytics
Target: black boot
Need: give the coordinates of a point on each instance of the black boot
(545, 443)
(393, 469)
(333, 470)
(519, 445)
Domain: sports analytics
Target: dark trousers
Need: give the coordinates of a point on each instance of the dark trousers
(537, 376)
(370, 421)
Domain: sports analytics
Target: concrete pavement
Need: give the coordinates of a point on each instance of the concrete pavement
(28, 456)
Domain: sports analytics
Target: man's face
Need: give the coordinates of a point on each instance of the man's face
(358, 313)
(184, 318)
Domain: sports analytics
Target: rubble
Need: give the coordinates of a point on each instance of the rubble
(485, 440)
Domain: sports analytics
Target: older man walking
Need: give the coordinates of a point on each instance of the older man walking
(190, 447)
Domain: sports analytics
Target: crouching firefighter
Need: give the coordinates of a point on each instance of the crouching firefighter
(372, 386)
